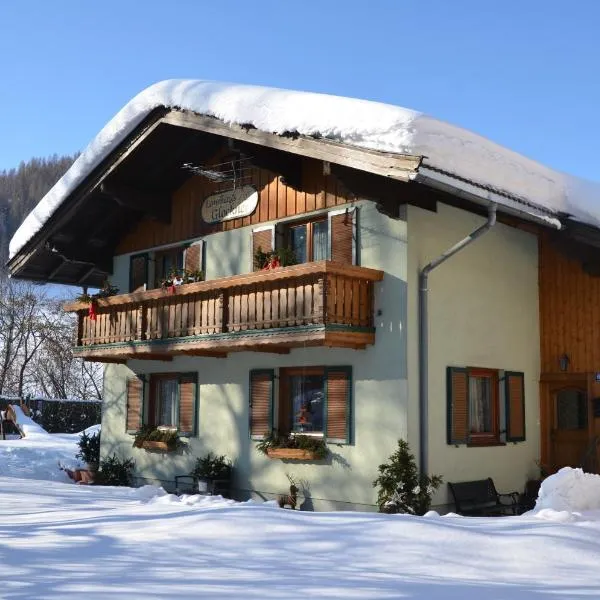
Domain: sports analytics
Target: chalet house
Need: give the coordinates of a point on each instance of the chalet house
(443, 290)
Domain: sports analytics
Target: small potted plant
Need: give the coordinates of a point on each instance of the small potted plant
(176, 278)
(293, 446)
(161, 438)
(106, 291)
(89, 453)
(282, 257)
(213, 472)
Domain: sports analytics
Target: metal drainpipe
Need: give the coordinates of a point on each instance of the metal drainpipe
(424, 332)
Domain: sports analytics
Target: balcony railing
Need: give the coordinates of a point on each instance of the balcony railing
(322, 303)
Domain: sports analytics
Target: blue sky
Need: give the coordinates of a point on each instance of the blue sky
(524, 74)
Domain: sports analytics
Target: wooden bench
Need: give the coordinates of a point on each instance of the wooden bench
(480, 498)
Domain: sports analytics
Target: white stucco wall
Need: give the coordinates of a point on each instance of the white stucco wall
(483, 305)
(380, 391)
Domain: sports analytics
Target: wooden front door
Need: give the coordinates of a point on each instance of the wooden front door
(569, 433)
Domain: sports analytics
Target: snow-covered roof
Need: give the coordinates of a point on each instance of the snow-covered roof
(362, 123)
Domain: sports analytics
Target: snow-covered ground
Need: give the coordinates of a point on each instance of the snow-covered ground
(61, 540)
(37, 455)
(67, 541)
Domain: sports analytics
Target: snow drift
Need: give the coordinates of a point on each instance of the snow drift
(350, 121)
(39, 453)
(569, 490)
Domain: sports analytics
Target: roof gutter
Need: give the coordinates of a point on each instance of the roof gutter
(424, 332)
(482, 195)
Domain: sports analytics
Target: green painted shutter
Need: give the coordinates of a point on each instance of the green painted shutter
(188, 404)
(514, 397)
(261, 396)
(458, 405)
(135, 403)
(338, 405)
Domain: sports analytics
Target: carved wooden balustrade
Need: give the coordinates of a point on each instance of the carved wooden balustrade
(314, 304)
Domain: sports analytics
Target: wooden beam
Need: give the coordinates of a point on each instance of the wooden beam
(402, 167)
(56, 269)
(150, 356)
(268, 350)
(204, 353)
(65, 211)
(154, 205)
(86, 274)
(105, 359)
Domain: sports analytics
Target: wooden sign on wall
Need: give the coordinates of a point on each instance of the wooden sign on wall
(232, 204)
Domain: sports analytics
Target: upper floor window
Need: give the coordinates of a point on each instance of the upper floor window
(166, 263)
(309, 241)
(155, 268)
(331, 236)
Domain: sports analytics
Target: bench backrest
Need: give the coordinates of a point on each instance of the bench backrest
(473, 492)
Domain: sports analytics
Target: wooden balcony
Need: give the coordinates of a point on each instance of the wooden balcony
(314, 304)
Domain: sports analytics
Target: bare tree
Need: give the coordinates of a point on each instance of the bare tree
(36, 355)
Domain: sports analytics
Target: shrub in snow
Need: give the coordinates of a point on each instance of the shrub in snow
(212, 467)
(89, 449)
(401, 488)
(115, 471)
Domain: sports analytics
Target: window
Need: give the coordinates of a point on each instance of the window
(311, 401)
(165, 394)
(329, 236)
(475, 413)
(483, 406)
(158, 265)
(309, 241)
(168, 399)
(302, 400)
(166, 262)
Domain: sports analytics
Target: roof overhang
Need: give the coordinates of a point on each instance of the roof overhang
(76, 244)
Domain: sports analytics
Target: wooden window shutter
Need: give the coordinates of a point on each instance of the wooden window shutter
(342, 236)
(458, 405)
(338, 404)
(193, 260)
(514, 386)
(138, 272)
(188, 404)
(261, 402)
(263, 238)
(135, 403)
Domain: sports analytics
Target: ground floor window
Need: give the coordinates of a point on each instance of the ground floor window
(163, 399)
(305, 395)
(308, 400)
(485, 406)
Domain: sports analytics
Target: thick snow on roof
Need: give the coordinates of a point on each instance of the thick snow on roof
(351, 121)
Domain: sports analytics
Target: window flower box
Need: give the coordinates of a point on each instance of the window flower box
(292, 454)
(156, 445)
(293, 446)
(158, 439)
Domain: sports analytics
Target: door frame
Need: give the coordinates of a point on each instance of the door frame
(549, 381)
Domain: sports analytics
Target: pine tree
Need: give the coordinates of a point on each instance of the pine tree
(21, 189)
(401, 488)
